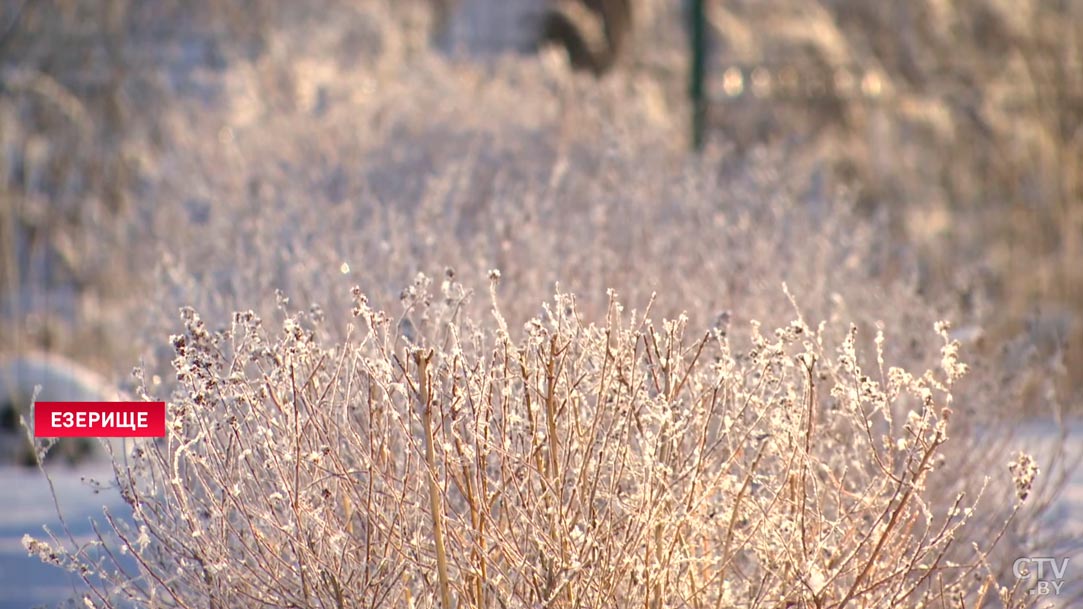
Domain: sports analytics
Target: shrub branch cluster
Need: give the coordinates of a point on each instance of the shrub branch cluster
(436, 460)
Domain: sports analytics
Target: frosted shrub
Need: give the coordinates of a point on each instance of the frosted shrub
(439, 460)
(448, 456)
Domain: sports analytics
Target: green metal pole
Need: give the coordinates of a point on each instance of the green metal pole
(697, 85)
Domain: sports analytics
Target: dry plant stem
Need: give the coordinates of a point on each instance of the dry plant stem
(470, 484)
(552, 370)
(663, 459)
(295, 500)
(424, 393)
(893, 520)
(810, 423)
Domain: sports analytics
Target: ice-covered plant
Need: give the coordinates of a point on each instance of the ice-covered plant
(441, 460)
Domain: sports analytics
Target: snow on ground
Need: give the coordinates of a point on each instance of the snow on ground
(26, 504)
(1065, 517)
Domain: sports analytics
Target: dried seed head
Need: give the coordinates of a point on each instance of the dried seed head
(1024, 470)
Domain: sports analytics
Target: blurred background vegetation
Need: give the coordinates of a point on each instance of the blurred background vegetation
(125, 125)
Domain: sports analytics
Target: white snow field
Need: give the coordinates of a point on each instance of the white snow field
(26, 504)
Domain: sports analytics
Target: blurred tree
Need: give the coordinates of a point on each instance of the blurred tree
(595, 33)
